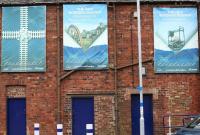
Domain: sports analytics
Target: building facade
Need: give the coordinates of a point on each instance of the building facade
(55, 95)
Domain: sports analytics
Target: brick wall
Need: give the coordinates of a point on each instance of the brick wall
(15, 91)
(41, 100)
(172, 93)
(104, 113)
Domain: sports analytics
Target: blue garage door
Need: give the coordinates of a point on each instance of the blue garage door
(148, 114)
(83, 116)
(16, 116)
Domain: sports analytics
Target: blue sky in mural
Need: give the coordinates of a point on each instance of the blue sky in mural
(85, 16)
(168, 19)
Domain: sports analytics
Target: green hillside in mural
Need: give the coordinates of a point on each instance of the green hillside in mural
(85, 38)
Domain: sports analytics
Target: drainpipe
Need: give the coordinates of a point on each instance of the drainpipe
(132, 67)
(115, 71)
(58, 67)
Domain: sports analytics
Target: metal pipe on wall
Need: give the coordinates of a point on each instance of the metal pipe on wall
(115, 72)
(132, 68)
(58, 67)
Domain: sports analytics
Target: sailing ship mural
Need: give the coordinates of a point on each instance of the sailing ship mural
(176, 40)
(85, 36)
(23, 39)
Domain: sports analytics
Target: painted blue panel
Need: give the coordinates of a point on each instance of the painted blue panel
(16, 116)
(82, 114)
(148, 114)
(23, 39)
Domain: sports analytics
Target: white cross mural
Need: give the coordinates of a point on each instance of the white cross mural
(23, 35)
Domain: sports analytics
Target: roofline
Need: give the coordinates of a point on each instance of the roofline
(36, 2)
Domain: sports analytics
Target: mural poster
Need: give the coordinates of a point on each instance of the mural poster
(23, 39)
(85, 36)
(176, 40)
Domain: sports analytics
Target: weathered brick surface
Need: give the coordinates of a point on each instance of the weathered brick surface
(15, 92)
(104, 115)
(103, 111)
(172, 93)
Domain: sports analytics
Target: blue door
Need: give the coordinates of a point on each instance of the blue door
(148, 114)
(16, 116)
(82, 116)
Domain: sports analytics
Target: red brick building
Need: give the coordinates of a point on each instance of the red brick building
(49, 94)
